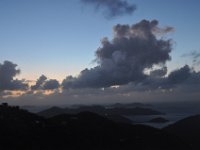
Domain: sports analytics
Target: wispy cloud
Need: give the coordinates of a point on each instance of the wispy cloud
(195, 56)
(112, 8)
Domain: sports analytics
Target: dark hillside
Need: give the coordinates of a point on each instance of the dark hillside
(21, 130)
(188, 129)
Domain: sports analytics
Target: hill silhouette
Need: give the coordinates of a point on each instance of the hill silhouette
(21, 130)
(101, 110)
(188, 129)
(116, 112)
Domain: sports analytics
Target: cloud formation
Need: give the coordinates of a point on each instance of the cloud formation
(183, 79)
(180, 75)
(180, 84)
(51, 84)
(39, 83)
(8, 72)
(43, 84)
(124, 59)
(112, 8)
(159, 72)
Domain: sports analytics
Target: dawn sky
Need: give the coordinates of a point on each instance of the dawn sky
(77, 47)
(59, 38)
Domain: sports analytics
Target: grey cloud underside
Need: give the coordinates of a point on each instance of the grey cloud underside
(8, 72)
(182, 78)
(112, 8)
(124, 59)
(159, 72)
(43, 84)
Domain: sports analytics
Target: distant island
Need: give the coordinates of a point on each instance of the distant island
(111, 110)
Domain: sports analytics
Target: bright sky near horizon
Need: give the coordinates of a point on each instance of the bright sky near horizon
(59, 38)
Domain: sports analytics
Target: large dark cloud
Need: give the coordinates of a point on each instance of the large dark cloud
(43, 84)
(8, 72)
(112, 8)
(180, 75)
(124, 59)
(185, 77)
(159, 72)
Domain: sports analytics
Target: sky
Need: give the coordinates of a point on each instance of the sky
(59, 38)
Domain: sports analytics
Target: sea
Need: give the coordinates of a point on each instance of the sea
(172, 111)
(171, 117)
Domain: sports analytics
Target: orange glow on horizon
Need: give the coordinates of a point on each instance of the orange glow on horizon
(32, 77)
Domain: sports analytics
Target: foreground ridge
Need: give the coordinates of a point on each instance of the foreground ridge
(22, 130)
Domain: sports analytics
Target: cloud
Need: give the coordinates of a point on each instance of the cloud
(123, 59)
(51, 84)
(43, 84)
(183, 79)
(180, 75)
(124, 93)
(181, 84)
(112, 8)
(39, 83)
(8, 72)
(159, 72)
